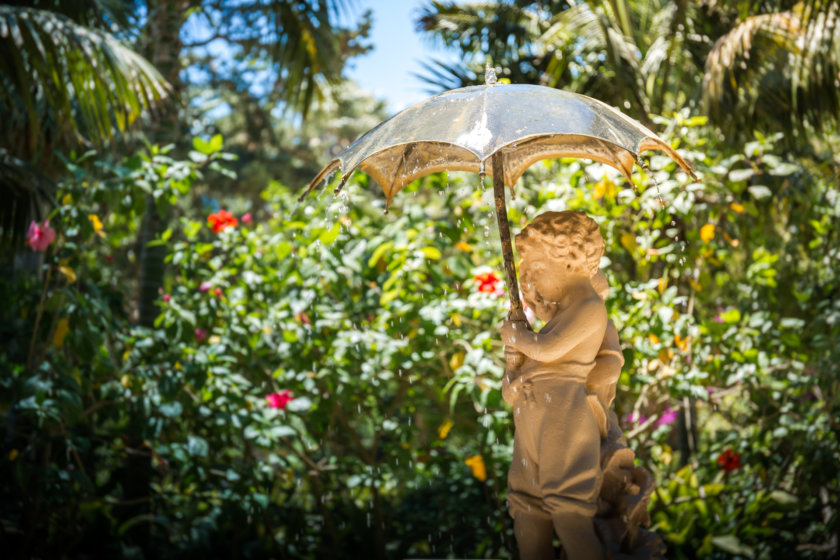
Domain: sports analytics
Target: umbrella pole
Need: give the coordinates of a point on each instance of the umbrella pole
(516, 311)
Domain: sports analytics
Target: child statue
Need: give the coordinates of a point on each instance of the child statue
(555, 477)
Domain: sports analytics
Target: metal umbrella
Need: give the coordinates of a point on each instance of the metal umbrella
(509, 126)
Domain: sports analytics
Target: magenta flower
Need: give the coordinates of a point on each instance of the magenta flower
(200, 335)
(40, 236)
(166, 298)
(633, 419)
(247, 219)
(668, 416)
(279, 400)
(205, 287)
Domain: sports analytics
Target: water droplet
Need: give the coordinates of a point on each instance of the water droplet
(490, 78)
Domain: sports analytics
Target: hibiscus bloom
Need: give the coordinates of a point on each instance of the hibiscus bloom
(221, 220)
(200, 335)
(668, 416)
(39, 237)
(729, 460)
(279, 400)
(489, 283)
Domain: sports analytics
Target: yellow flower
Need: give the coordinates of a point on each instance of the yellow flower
(456, 361)
(97, 224)
(61, 330)
(68, 273)
(602, 188)
(737, 207)
(707, 233)
(67, 199)
(463, 246)
(476, 465)
(13, 454)
(443, 429)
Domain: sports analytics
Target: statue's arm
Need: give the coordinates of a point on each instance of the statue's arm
(585, 320)
(609, 360)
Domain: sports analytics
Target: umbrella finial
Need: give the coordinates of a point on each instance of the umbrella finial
(489, 75)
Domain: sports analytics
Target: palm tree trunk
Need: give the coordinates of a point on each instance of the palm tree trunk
(162, 46)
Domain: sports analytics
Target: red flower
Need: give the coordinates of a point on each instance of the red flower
(221, 220)
(489, 283)
(729, 460)
(40, 236)
(218, 292)
(279, 400)
(200, 335)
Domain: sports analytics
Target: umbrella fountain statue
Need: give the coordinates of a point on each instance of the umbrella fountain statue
(584, 470)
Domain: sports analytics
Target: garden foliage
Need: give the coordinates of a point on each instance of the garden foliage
(323, 380)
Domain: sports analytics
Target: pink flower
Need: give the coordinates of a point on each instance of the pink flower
(200, 335)
(633, 419)
(205, 286)
(279, 400)
(218, 292)
(247, 219)
(39, 237)
(166, 298)
(668, 416)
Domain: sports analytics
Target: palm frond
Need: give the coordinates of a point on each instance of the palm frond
(63, 83)
(780, 68)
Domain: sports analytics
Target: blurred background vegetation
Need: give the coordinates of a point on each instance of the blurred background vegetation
(192, 366)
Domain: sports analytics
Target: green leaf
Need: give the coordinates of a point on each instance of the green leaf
(283, 250)
(215, 143)
(731, 316)
(330, 235)
(737, 175)
(733, 545)
(432, 253)
(202, 146)
(379, 252)
(759, 191)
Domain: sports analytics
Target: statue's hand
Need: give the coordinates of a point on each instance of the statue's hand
(512, 331)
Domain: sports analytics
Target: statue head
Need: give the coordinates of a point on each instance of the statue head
(554, 245)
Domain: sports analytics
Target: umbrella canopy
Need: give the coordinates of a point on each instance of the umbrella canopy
(509, 126)
(461, 130)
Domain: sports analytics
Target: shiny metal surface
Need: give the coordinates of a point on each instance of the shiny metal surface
(460, 130)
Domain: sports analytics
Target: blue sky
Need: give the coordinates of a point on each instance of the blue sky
(386, 71)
